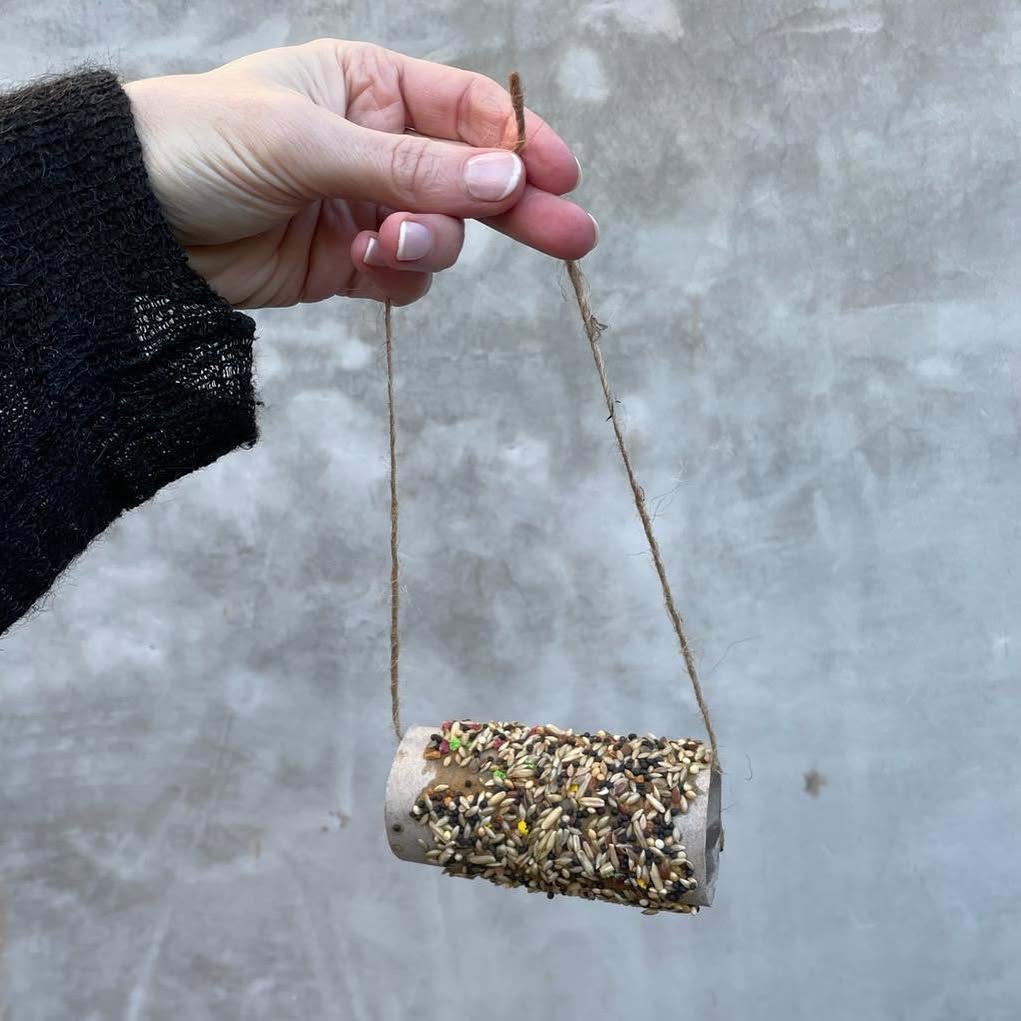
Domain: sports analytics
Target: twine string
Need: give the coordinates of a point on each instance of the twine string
(395, 575)
(593, 331)
(517, 94)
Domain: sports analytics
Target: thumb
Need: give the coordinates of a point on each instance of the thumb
(411, 172)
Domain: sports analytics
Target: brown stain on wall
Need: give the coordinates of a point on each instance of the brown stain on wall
(814, 781)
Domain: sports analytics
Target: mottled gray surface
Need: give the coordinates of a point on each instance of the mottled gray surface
(810, 263)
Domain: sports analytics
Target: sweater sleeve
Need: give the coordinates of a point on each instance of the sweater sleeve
(120, 369)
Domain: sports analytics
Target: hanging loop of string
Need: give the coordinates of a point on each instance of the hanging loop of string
(593, 331)
(395, 576)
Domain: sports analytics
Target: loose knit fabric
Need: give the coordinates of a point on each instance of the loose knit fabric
(120, 369)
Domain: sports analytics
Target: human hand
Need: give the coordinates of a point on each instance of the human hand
(290, 175)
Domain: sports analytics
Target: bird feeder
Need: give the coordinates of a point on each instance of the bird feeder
(629, 819)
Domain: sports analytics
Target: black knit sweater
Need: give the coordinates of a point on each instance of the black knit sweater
(120, 369)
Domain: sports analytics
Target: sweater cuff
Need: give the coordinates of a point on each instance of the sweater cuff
(164, 362)
(121, 370)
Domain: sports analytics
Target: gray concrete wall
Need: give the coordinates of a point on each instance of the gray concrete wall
(810, 264)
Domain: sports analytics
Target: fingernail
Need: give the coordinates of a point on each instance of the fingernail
(492, 176)
(577, 184)
(371, 256)
(413, 241)
(595, 223)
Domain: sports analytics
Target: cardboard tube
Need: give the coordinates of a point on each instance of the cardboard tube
(471, 776)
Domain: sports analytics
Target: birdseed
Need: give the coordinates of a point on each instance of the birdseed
(596, 816)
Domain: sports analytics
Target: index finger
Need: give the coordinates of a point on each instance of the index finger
(448, 102)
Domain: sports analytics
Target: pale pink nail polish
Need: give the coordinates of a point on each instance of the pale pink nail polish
(492, 176)
(413, 241)
(371, 256)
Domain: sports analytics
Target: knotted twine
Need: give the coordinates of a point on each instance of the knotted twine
(593, 331)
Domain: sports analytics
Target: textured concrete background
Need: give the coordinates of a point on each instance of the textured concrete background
(810, 263)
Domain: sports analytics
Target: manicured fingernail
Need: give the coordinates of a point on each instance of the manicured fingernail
(413, 241)
(371, 256)
(595, 224)
(492, 176)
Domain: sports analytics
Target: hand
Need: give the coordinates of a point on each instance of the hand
(342, 168)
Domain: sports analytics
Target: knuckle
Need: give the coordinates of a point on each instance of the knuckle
(323, 46)
(368, 67)
(414, 170)
(371, 53)
(484, 115)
